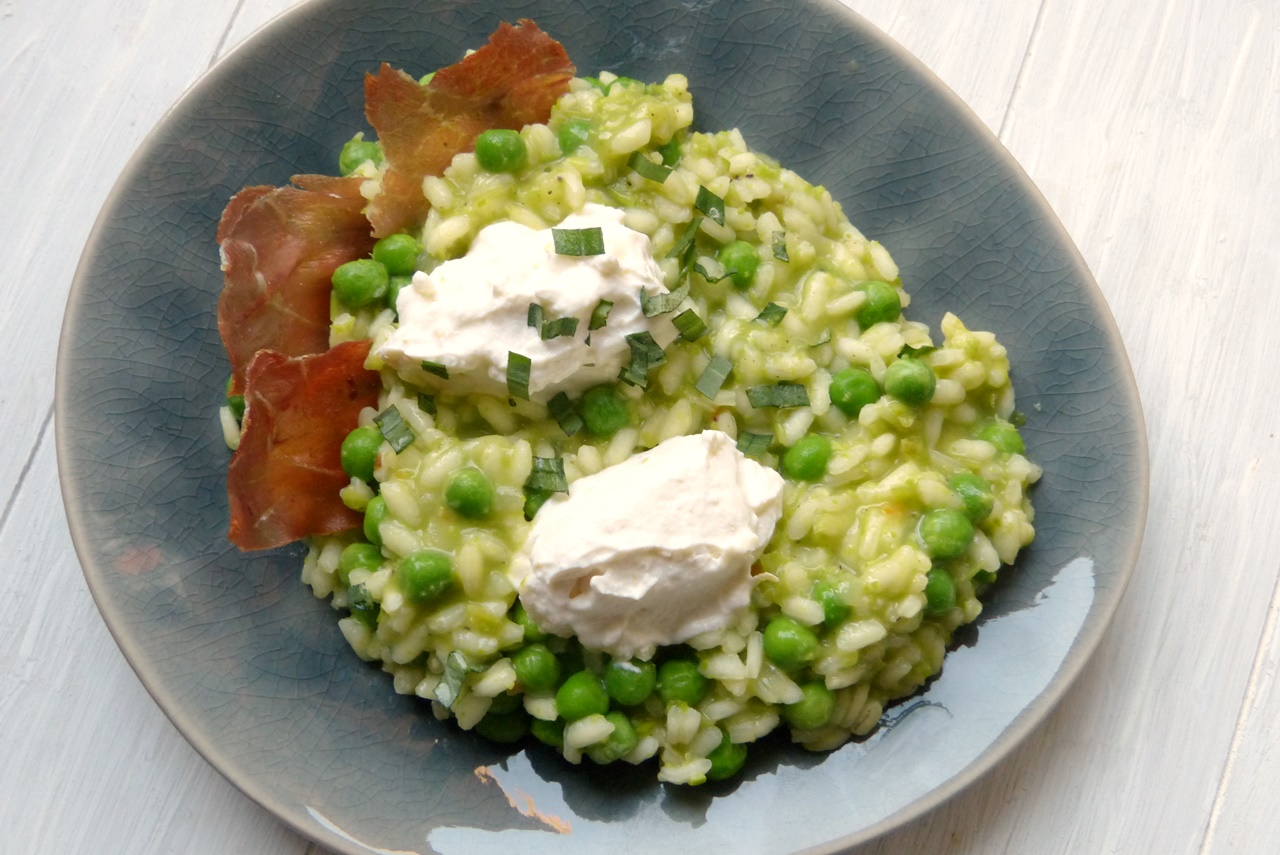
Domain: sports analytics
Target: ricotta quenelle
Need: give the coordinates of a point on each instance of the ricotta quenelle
(652, 551)
(468, 314)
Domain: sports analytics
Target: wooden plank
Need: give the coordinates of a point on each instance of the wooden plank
(1152, 130)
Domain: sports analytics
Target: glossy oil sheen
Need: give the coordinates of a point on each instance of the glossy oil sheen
(252, 668)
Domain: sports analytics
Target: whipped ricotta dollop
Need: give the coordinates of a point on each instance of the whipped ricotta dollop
(652, 551)
(468, 314)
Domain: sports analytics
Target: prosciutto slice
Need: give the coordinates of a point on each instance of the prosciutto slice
(510, 82)
(280, 246)
(284, 479)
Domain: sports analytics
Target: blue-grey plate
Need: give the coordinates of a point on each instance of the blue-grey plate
(251, 667)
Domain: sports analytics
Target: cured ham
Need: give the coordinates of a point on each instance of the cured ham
(280, 246)
(284, 479)
(510, 82)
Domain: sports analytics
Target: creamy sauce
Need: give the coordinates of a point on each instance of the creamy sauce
(469, 313)
(652, 551)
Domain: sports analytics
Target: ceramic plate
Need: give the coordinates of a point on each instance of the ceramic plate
(252, 668)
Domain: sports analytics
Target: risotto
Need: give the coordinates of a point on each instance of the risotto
(893, 474)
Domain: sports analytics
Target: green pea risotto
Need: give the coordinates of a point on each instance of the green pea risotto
(902, 481)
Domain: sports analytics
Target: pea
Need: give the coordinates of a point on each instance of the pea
(571, 657)
(834, 609)
(939, 592)
(1004, 437)
(788, 644)
(945, 533)
(680, 680)
(506, 702)
(882, 304)
(532, 632)
(726, 759)
(813, 710)
(605, 411)
(504, 728)
(807, 459)
(359, 453)
(573, 134)
(426, 575)
(363, 606)
(358, 556)
(398, 253)
(740, 260)
(536, 666)
(975, 495)
(361, 282)
(395, 285)
(548, 732)
(852, 389)
(374, 513)
(910, 381)
(629, 683)
(469, 493)
(619, 744)
(500, 150)
(356, 151)
(581, 695)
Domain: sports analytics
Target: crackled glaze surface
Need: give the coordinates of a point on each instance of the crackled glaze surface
(251, 667)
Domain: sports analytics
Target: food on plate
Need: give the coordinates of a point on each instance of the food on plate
(645, 460)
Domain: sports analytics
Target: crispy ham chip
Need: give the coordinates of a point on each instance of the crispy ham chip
(284, 479)
(280, 246)
(511, 82)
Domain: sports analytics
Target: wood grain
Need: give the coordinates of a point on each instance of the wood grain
(1151, 127)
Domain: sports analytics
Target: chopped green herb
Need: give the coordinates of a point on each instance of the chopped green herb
(772, 314)
(670, 151)
(710, 269)
(778, 395)
(755, 444)
(780, 246)
(548, 475)
(535, 315)
(519, 369)
(646, 168)
(684, 244)
(645, 354)
(394, 430)
(588, 241)
(558, 327)
(908, 350)
(710, 204)
(435, 368)
(565, 415)
(427, 403)
(690, 325)
(662, 303)
(600, 314)
(456, 668)
(711, 381)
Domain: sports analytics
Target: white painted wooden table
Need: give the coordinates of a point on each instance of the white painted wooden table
(1153, 127)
